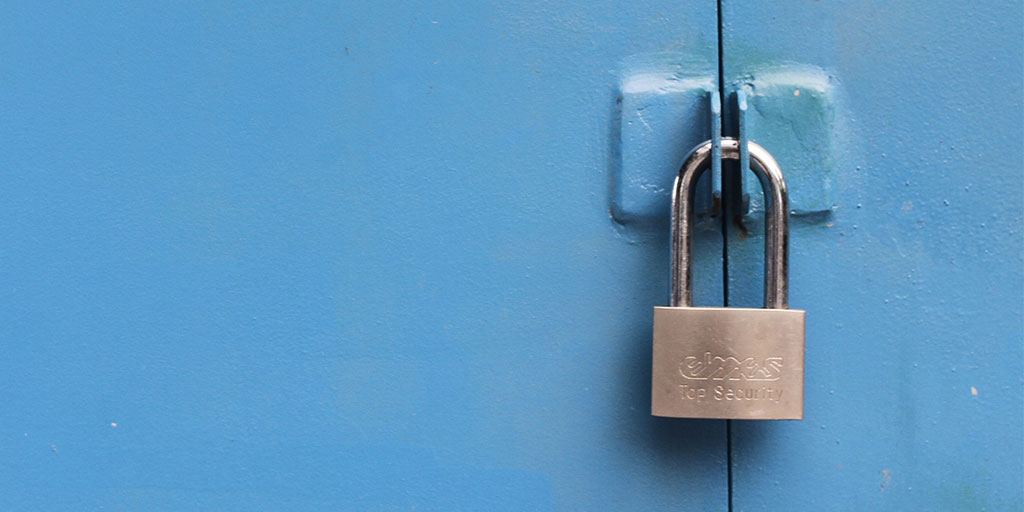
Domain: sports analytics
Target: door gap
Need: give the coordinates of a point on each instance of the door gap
(724, 213)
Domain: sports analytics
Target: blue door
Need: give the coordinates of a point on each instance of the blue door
(913, 282)
(404, 257)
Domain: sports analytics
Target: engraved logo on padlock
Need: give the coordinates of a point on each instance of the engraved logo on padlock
(731, 368)
(729, 363)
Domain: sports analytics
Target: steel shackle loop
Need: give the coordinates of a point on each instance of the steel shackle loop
(776, 240)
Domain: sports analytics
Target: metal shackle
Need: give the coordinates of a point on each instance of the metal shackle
(776, 239)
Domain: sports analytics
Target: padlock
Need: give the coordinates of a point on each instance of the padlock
(729, 363)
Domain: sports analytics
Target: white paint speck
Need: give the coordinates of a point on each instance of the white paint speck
(796, 92)
(974, 391)
(114, 425)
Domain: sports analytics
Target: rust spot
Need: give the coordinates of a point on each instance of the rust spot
(741, 230)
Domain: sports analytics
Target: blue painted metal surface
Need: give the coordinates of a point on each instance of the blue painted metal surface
(792, 105)
(337, 257)
(332, 256)
(913, 286)
(664, 113)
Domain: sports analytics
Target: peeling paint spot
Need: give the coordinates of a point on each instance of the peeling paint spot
(113, 425)
(974, 391)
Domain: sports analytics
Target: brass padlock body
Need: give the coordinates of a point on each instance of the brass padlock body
(730, 363)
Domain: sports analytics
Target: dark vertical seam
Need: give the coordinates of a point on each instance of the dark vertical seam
(724, 214)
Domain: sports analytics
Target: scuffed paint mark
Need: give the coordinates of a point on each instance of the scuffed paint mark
(640, 115)
(665, 73)
(664, 83)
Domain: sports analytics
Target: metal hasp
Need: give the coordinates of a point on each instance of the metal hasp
(716, 153)
(729, 363)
